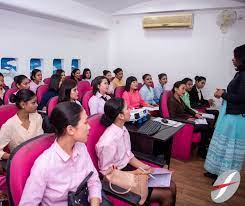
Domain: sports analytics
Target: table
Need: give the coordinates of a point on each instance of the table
(157, 145)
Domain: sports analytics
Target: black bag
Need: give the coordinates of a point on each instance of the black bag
(80, 197)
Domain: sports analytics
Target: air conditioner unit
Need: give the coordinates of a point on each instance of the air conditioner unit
(168, 21)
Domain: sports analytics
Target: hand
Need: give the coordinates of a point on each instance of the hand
(211, 102)
(198, 116)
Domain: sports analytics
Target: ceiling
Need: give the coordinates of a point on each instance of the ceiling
(111, 6)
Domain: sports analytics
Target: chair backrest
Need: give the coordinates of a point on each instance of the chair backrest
(52, 104)
(163, 106)
(86, 98)
(41, 90)
(46, 81)
(20, 163)
(6, 112)
(13, 85)
(68, 77)
(83, 87)
(7, 95)
(95, 132)
(119, 91)
(139, 86)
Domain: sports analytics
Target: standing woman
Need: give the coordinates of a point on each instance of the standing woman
(227, 147)
(86, 75)
(36, 79)
(107, 74)
(63, 166)
(75, 75)
(114, 149)
(68, 91)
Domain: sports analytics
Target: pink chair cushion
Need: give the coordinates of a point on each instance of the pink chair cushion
(7, 95)
(41, 90)
(52, 104)
(196, 137)
(13, 85)
(46, 81)
(86, 98)
(6, 112)
(139, 86)
(83, 87)
(119, 92)
(164, 103)
(22, 161)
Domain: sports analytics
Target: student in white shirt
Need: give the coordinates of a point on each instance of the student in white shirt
(26, 124)
(97, 101)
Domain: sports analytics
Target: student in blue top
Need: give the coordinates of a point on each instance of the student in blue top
(146, 91)
(159, 88)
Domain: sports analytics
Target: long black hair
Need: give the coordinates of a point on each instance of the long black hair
(63, 115)
(20, 78)
(177, 85)
(199, 78)
(96, 82)
(239, 53)
(113, 107)
(65, 90)
(54, 83)
(84, 73)
(73, 72)
(129, 82)
(33, 73)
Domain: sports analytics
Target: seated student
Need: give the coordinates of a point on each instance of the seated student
(186, 97)
(22, 82)
(107, 74)
(68, 91)
(63, 166)
(36, 80)
(159, 88)
(118, 79)
(53, 90)
(146, 90)
(86, 76)
(61, 72)
(97, 101)
(196, 96)
(114, 149)
(24, 125)
(178, 109)
(131, 94)
(75, 75)
(3, 88)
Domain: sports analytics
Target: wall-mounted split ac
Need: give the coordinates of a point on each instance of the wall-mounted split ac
(168, 21)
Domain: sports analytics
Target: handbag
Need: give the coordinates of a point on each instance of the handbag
(80, 197)
(136, 183)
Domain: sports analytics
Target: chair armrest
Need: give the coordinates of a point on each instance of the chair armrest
(157, 160)
(130, 197)
(183, 121)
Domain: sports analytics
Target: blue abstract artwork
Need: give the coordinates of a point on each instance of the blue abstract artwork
(9, 64)
(75, 64)
(35, 64)
(57, 64)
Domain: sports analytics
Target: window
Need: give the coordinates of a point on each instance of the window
(36, 63)
(57, 64)
(75, 64)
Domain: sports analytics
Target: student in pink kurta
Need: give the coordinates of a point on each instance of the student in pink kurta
(114, 148)
(36, 79)
(26, 124)
(132, 95)
(63, 166)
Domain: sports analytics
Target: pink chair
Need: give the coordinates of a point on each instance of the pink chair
(41, 90)
(13, 85)
(119, 91)
(83, 87)
(52, 104)
(139, 86)
(21, 161)
(46, 81)
(7, 95)
(6, 112)
(183, 139)
(68, 77)
(86, 98)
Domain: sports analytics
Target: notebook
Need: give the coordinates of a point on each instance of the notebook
(162, 178)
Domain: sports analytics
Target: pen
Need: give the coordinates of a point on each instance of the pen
(146, 172)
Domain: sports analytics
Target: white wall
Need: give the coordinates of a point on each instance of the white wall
(203, 50)
(25, 37)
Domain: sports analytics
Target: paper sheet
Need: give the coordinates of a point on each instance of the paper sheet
(151, 108)
(162, 178)
(201, 121)
(209, 116)
(170, 123)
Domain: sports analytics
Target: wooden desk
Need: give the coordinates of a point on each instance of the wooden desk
(155, 145)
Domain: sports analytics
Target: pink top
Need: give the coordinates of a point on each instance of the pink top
(55, 173)
(114, 148)
(34, 86)
(134, 100)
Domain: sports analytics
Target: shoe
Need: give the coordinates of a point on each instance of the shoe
(210, 175)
